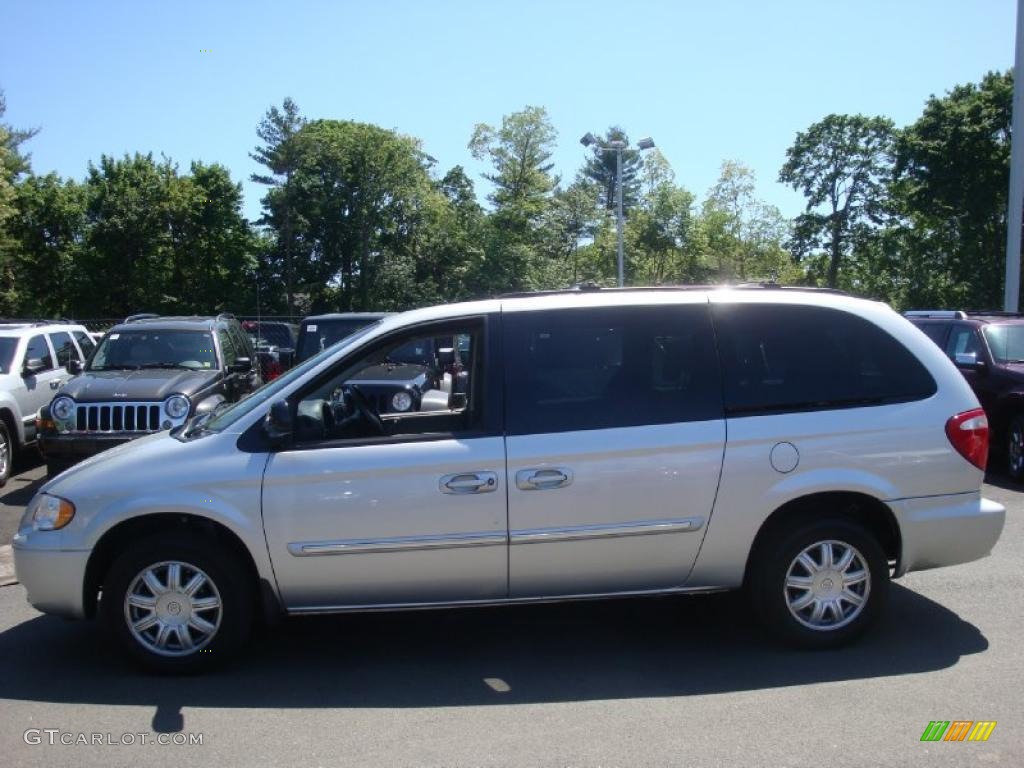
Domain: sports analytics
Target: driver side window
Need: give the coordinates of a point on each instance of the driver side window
(418, 383)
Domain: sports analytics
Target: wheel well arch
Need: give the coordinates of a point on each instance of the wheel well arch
(874, 515)
(113, 542)
(8, 418)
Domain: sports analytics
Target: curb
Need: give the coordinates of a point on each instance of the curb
(7, 576)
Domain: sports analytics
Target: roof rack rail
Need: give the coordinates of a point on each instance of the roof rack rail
(594, 288)
(141, 316)
(34, 321)
(945, 314)
(992, 313)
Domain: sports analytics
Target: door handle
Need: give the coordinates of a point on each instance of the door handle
(543, 479)
(469, 482)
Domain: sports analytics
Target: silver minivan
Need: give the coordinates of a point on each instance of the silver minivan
(804, 445)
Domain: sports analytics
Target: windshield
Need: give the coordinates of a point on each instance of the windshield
(318, 336)
(129, 350)
(1006, 342)
(268, 392)
(7, 347)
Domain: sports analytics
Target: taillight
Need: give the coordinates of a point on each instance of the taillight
(968, 432)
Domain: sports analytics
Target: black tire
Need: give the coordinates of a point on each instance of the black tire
(1015, 448)
(6, 454)
(777, 555)
(230, 585)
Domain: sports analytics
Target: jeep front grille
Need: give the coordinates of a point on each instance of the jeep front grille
(117, 417)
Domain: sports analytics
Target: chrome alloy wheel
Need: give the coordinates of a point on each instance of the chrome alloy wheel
(1015, 448)
(173, 608)
(827, 585)
(5, 455)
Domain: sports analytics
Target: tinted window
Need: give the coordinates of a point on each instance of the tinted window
(596, 369)
(935, 331)
(87, 345)
(963, 339)
(7, 347)
(65, 348)
(321, 334)
(227, 346)
(780, 358)
(1006, 342)
(38, 348)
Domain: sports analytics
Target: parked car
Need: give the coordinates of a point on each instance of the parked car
(149, 374)
(274, 343)
(33, 354)
(988, 348)
(318, 332)
(806, 445)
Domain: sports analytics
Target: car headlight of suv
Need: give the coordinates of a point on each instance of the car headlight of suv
(47, 513)
(177, 406)
(401, 401)
(62, 407)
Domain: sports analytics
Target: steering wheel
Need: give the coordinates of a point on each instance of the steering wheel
(362, 406)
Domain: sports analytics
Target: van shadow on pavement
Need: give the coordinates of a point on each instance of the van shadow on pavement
(543, 653)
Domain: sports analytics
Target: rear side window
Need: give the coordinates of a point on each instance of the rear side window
(934, 331)
(792, 358)
(579, 369)
(38, 348)
(65, 348)
(227, 347)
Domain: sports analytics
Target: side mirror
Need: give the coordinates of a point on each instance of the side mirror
(969, 361)
(241, 365)
(74, 366)
(278, 424)
(33, 365)
(446, 356)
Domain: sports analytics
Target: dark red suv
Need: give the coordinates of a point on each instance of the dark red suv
(988, 348)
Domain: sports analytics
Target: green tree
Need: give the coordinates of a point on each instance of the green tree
(48, 228)
(13, 165)
(600, 168)
(841, 165)
(361, 193)
(279, 155)
(952, 168)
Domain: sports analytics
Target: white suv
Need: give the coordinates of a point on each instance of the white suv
(804, 445)
(33, 356)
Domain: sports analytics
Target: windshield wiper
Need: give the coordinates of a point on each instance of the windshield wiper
(114, 368)
(165, 365)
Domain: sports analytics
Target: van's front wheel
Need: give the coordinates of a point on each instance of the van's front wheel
(820, 584)
(176, 604)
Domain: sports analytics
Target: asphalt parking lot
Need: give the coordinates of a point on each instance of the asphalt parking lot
(633, 682)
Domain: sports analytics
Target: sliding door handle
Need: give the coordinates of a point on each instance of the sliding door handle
(469, 482)
(543, 479)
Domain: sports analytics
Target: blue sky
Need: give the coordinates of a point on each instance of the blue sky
(712, 80)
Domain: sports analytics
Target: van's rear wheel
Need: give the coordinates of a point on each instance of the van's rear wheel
(820, 584)
(176, 604)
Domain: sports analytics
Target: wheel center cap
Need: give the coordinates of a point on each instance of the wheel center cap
(173, 608)
(825, 584)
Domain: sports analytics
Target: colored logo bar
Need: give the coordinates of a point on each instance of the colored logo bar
(958, 730)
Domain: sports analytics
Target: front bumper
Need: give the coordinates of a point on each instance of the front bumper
(75, 447)
(53, 578)
(946, 530)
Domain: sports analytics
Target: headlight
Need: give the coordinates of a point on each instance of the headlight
(48, 513)
(62, 408)
(177, 406)
(401, 401)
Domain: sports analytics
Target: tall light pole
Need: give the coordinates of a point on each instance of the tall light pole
(617, 146)
(1011, 294)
